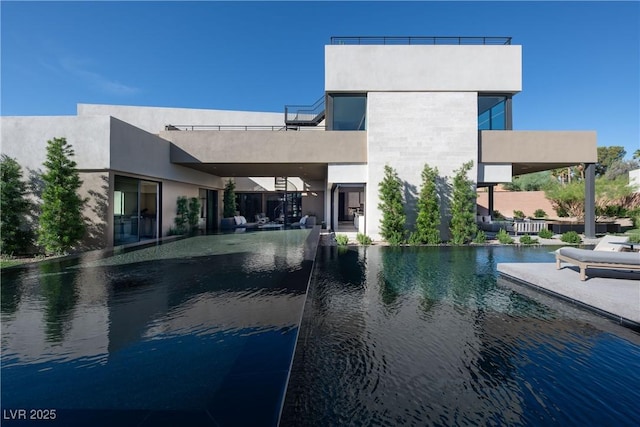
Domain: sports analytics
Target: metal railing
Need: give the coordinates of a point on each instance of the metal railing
(305, 115)
(419, 40)
(238, 127)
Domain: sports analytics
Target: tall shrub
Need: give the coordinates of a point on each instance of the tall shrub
(194, 214)
(182, 215)
(393, 216)
(14, 207)
(463, 225)
(61, 224)
(428, 221)
(229, 199)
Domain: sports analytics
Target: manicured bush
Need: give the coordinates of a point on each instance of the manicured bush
(571, 237)
(528, 240)
(503, 237)
(497, 215)
(481, 237)
(193, 216)
(391, 204)
(545, 233)
(342, 239)
(463, 225)
(634, 236)
(363, 239)
(518, 214)
(539, 213)
(182, 215)
(61, 223)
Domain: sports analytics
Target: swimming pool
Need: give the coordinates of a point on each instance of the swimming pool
(199, 331)
(430, 336)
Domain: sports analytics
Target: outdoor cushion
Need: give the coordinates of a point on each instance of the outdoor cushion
(243, 220)
(604, 257)
(303, 220)
(238, 220)
(605, 244)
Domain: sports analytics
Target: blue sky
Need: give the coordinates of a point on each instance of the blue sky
(581, 60)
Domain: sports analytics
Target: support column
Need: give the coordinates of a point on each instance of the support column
(490, 203)
(590, 200)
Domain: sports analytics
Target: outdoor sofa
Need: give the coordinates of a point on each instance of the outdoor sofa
(585, 258)
(234, 222)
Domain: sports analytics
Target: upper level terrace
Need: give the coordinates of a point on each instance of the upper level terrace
(419, 40)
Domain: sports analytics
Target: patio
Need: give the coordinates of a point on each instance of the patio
(614, 294)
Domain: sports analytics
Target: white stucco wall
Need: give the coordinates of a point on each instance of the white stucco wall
(347, 173)
(406, 130)
(364, 68)
(495, 172)
(136, 151)
(154, 119)
(25, 139)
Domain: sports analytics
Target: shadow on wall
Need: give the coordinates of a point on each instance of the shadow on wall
(96, 224)
(96, 234)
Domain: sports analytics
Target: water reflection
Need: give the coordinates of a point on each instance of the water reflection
(164, 334)
(431, 338)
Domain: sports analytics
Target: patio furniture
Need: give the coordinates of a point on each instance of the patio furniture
(262, 218)
(611, 243)
(585, 258)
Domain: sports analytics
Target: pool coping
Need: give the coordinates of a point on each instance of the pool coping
(617, 299)
(310, 250)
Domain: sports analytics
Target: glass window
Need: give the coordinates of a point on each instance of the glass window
(349, 111)
(492, 112)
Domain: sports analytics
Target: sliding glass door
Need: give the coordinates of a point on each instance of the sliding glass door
(135, 210)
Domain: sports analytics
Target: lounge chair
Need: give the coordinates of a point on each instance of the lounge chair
(585, 258)
(611, 243)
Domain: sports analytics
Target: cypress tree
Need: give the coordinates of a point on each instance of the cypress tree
(13, 207)
(61, 222)
(393, 216)
(428, 221)
(463, 225)
(229, 200)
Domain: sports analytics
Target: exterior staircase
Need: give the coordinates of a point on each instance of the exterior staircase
(304, 115)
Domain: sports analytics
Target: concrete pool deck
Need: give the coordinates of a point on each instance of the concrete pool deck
(614, 294)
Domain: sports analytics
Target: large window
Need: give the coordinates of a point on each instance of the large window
(348, 111)
(494, 112)
(135, 210)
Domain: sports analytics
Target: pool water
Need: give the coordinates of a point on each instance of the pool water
(199, 331)
(431, 336)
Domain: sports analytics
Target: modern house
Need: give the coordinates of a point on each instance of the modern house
(398, 101)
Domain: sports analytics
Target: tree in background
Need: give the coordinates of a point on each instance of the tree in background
(621, 168)
(393, 216)
(428, 221)
(14, 207)
(607, 156)
(535, 181)
(463, 225)
(229, 199)
(636, 154)
(61, 224)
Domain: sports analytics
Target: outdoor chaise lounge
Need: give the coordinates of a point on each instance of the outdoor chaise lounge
(585, 258)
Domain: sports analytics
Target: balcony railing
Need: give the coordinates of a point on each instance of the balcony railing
(239, 127)
(419, 40)
(305, 115)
